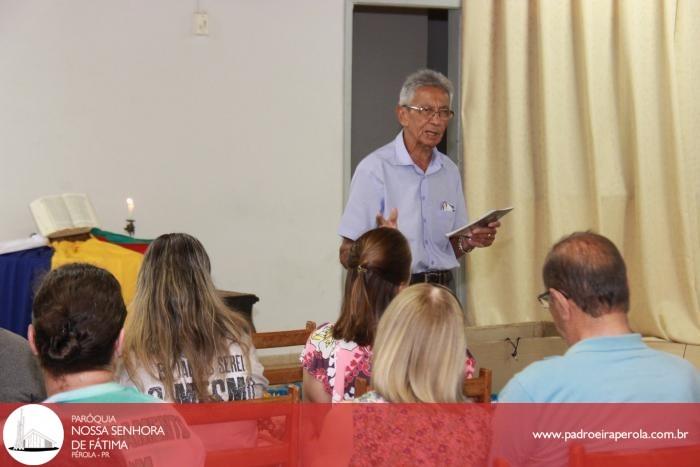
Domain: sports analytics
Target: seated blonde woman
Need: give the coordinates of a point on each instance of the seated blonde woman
(182, 344)
(419, 349)
(418, 358)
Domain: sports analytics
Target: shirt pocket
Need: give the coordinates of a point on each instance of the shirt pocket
(445, 221)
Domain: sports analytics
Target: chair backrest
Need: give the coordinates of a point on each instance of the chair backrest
(677, 456)
(477, 389)
(268, 340)
(271, 451)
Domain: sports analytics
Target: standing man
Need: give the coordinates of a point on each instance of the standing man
(408, 184)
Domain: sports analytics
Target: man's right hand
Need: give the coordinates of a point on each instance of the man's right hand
(346, 244)
(392, 221)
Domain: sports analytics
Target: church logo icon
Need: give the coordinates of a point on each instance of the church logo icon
(33, 434)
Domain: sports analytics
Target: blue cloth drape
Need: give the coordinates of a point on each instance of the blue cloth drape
(20, 274)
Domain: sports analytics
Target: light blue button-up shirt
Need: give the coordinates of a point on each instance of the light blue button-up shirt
(430, 203)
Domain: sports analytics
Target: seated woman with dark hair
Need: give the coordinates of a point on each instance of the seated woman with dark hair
(76, 331)
(379, 265)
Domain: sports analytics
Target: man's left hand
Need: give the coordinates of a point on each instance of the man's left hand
(482, 237)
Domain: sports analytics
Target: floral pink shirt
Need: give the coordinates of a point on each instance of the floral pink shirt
(336, 363)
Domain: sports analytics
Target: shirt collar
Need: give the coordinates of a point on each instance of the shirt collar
(607, 343)
(404, 158)
(87, 391)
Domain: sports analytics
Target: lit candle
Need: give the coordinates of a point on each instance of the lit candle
(130, 207)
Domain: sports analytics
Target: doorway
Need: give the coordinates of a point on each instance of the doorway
(388, 44)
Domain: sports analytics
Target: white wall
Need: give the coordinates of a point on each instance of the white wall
(235, 138)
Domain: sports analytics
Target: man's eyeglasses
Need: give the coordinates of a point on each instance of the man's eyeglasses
(544, 297)
(428, 112)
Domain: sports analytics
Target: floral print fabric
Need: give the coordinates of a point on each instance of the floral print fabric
(336, 363)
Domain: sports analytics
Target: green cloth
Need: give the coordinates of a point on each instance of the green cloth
(117, 238)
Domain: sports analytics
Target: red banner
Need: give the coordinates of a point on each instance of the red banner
(269, 433)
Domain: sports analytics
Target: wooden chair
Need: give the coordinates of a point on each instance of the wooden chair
(273, 451)
(678, 456)
(477, 389)
(268, 340)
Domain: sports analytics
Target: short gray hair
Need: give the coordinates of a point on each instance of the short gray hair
(421, 78)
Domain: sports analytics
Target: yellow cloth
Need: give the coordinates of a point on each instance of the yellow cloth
(124, 264)
(585, 115)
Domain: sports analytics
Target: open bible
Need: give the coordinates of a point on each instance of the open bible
(63, 215)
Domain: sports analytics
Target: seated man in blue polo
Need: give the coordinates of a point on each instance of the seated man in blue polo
(588, 297)
(587, 294)
(408, 184)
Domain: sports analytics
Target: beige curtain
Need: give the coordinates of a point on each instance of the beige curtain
(585, 114)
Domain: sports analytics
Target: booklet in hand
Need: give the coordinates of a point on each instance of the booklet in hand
(483, 221)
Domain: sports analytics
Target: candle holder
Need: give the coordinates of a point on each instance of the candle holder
(130, 228)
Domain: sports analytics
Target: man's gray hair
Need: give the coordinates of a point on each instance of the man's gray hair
(421, 78)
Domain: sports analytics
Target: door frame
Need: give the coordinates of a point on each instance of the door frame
(454, 72)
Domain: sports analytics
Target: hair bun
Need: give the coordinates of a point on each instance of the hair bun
(64, 344)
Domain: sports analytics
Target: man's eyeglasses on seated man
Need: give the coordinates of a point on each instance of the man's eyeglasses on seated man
(544, 297)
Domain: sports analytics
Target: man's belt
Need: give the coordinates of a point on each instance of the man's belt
(434, 277)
